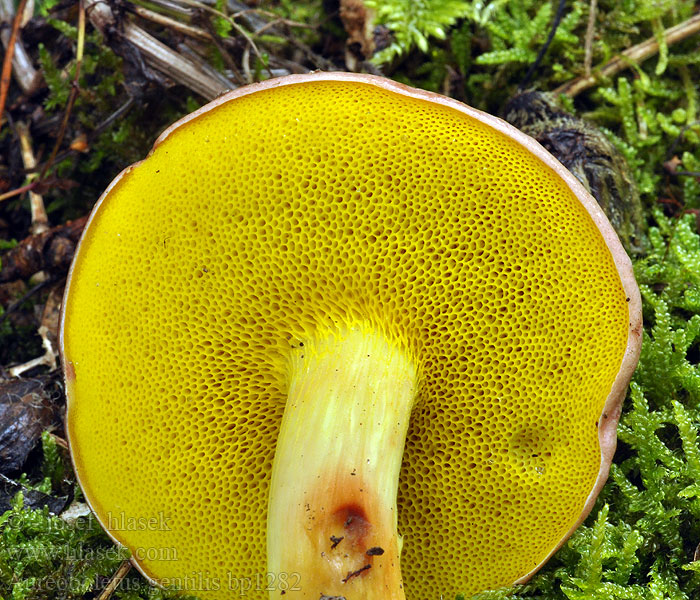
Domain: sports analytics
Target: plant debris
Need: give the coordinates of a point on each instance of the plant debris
(51, 251)
(28, 407)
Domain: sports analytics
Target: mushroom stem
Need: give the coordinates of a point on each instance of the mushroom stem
(332, 522)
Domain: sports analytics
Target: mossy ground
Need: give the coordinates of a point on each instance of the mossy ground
(642, 537)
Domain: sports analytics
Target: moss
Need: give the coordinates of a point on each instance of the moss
(43, 556)
(413, 22)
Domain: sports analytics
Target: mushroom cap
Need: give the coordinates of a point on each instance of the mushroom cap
(308, 201)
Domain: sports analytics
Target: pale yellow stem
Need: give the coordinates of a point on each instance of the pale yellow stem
(332, 511)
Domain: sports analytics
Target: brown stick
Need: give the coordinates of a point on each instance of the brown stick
(27, 77)
(236, 26)
(59, 441)
(73, 91)
(7, 62)
(183, 28)
(122, 572)
(156, 54)
(18, 191)
(172, 64)
(590, 32)
(635, 54)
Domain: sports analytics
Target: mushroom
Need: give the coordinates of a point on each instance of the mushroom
(332, 322)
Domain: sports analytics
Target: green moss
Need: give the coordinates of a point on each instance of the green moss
(414, 21)
(43, 556)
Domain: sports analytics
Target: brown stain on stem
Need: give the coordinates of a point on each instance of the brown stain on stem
(345, 522)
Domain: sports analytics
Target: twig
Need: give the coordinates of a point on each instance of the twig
(183, 28)
(18, 191)
(245, 63)
(47, 359)
(59, 441)
(161, 57)
(248, 16)
(277, 20)
(28, 78)
(216, 40)
(236, 26)
(73, 92)
(116, 115)
(172, 7)
(7, 62)
(17, 303)
(590, 32)
(117, 578)
(635, 54)
(40, 220)
(155, 53)
(200, 63)
(552, 31)
(679, 138)
(260, 26)
(271, 25)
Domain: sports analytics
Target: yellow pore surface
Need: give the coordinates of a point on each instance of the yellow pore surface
(313, 204)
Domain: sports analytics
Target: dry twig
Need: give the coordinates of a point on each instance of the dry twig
(40, 220)
(172, 64)
(73, 92)
(635, 54)
(173, 24)
(59, 441)
(27, 77)
(47, 359)
(122, 572)
(216, 40)
(200, 63)
(590, 32)
(242, 32)
(156, 54)
(7, 61)
(246, 13)
(17, 191)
